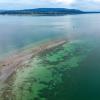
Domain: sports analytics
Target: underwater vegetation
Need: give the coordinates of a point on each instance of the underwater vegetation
(50, 75)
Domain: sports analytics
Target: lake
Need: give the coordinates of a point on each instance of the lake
(68, 72)
(18, 32)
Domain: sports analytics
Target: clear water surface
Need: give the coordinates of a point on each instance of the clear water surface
(68, 72)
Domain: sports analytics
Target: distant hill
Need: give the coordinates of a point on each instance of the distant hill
(43, 11)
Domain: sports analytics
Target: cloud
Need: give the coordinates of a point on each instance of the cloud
(94, 0)
(21, 4)
(68, 2)
(87, 4)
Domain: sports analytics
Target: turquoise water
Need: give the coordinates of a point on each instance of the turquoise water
(68, 72)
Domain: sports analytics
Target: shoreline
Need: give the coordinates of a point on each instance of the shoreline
(9, 65)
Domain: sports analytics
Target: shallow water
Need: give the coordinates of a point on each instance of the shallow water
(67, 72)
(56, 74)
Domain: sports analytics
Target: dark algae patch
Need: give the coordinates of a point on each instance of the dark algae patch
(55, 74)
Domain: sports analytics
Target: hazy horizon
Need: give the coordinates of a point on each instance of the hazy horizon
(87, 5)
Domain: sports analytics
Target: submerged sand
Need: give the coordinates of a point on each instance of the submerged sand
(9, 65)
(43, 72)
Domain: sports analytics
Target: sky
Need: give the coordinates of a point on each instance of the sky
(28, 4)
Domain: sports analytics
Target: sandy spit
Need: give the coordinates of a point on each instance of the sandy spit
(9, 65)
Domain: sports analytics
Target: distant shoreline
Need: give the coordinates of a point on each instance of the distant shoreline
(46, 12)
(49, 14)
(42, 11)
